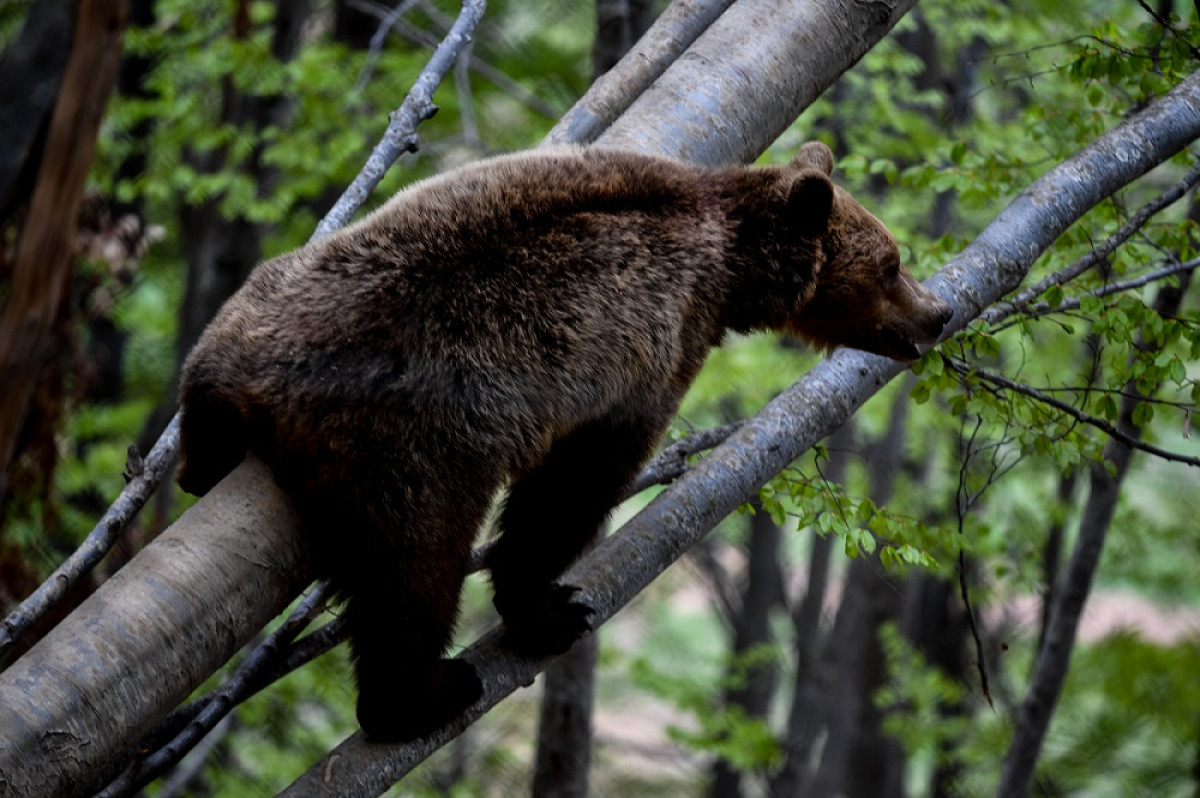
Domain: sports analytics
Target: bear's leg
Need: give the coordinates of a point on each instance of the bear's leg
(399, 550)
(401, 620)
(551, 515)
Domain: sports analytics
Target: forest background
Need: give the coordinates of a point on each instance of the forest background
(817, 643)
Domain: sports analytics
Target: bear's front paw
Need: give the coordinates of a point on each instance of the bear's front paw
(413, 708)
(545, 625)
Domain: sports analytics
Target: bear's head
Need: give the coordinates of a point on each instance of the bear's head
(864, 297)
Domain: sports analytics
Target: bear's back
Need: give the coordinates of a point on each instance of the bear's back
(535, 286)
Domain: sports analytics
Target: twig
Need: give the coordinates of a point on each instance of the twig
(1072, 411)
(218, 703)
(496, 77)
(140, 485)
(1072, 303)
(1002, 310)
(375, 47)
(401, 134)
(1167, 26)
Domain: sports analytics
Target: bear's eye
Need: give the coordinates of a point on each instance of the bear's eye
(892, 270)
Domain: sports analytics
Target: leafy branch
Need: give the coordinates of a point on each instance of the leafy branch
(1002, 310)
(968, 371)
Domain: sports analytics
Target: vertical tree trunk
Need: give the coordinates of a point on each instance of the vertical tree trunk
(619, 23)
(858, 758)
(221, 251)
(803, 722)
(44, 254)
(563, 760)
(751, 627)
(564, 751)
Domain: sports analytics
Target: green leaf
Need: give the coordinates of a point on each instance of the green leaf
(920, 392)
(1143, 414)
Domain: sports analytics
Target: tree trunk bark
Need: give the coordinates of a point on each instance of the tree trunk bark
(44, 252)
(751, 628)
(564, 749)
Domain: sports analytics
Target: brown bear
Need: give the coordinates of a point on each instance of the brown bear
(532, 321)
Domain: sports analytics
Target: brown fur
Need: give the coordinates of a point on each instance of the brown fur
(532, 320)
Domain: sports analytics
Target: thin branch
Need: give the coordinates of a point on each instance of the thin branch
(375, 47)
(500, 80)
(1072, 411)
(219, 702)
(1072, 303)
(401, 134)
(140, 485)
(1002, 310)
(1168, 27)
(674, 460)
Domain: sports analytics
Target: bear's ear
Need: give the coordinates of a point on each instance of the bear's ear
(810, 202)
(814, 155)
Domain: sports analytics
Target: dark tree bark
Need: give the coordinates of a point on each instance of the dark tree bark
(353, 25)
(807, 691)
(858, 759)
(44, 252)
(936, 623)
(30, 71)
(220, 251)
(564, 751)
(619, 23)
(754, 686)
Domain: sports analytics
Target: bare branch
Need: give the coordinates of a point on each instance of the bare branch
(401, 134)
(1104, 426)
(99, 541)
(1002, 310)
(387, 18)
(1072, 303)
(485, 70)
